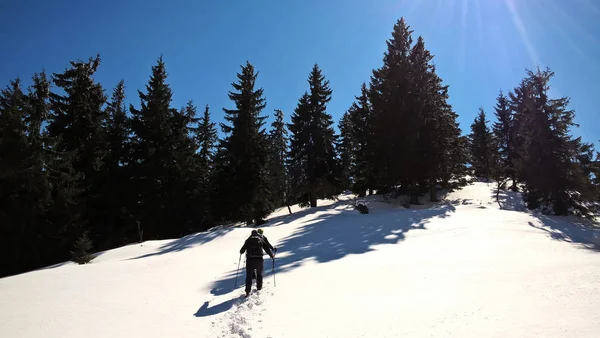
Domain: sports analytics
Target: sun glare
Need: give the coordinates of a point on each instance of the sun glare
(518, 22)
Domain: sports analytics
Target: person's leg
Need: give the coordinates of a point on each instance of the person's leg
(259, 274)
(249, 272)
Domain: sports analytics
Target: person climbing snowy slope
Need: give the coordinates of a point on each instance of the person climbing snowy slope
(254, 246)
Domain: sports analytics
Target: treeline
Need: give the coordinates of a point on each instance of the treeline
(530, 148)
(82, 171)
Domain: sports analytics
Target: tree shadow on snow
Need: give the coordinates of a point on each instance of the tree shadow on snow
(307, 211)
(565, 230)
(190, 241)
(510, 200)
(331, 236)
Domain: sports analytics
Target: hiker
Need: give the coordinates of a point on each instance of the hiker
(253, 246)
(261, 234)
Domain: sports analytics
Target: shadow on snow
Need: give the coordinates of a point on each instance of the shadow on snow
(345, 232)
(205, 310)
(564, 229)
(190, 241)
(510, 200)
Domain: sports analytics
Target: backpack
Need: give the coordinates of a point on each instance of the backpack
(255, 246)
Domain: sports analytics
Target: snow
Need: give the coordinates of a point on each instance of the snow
(458, 268)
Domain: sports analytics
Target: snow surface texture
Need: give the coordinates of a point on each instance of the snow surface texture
(460, 268)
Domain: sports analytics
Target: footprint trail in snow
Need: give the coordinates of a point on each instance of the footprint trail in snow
(246, 312)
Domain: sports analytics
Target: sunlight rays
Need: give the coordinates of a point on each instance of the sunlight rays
(518, 22)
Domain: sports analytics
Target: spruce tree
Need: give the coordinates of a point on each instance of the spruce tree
(55, 185)
(503, 131)
(481, 146)
(314, 166)
(162, 160)
(553, 178)
(118, 191)
(15, 162)
(77, 122)
(346, 149)
(415, 135)
(242, 175)
(277, 160)
(205, 136)
(363, 170)
(389, 97)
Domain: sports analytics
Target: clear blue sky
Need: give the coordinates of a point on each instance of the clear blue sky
(480, 46)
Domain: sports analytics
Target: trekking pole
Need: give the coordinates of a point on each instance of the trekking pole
(236, 271)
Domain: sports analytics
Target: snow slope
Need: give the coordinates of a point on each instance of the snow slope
(461, 268)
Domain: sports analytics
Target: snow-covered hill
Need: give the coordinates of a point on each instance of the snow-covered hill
(461, 268)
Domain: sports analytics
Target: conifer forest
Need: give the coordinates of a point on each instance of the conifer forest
(83, 168)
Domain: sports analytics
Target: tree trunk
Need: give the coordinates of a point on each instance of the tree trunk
(432, 192)
(289, 209)
(498, 195)
(414, 198)
(313, 199)
(140, 232)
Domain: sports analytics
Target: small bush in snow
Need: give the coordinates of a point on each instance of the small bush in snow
(83, 245)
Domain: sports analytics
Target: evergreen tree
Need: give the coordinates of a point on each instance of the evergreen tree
(435, 123)
(118, 228)
(277, 160)
(15, 162)
(416, 139)
(389, 99)
(481, 146)
(54, 185)
(356, 132)
(314, 167)
(503, 131)
(162, 160)
(77, 123)
(346, 149)
(242, 163)
(205, 136)
(548, 166)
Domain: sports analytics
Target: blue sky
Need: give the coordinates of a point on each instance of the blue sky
(480, 46)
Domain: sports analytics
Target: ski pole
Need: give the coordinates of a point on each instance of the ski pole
(236, 271)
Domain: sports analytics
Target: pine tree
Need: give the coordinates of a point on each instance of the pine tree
(14, 167)
(77, 122)
(361, 118)
(162, 160)
(548, 153)
(389, 97)
(346, 149)
(314, 167)
(242, 162)
(118, 190)
(54, 185)
(277, 169)
(503, 130)
(416, 138)
(205, 136)
(481, 146)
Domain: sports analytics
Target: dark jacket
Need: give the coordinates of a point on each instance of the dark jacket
(267, 242)
(265, 247)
